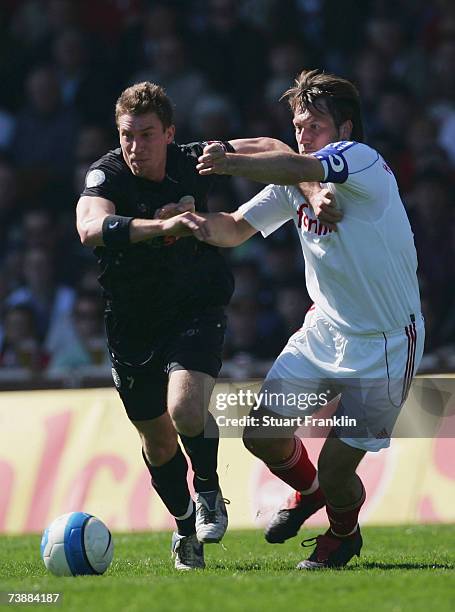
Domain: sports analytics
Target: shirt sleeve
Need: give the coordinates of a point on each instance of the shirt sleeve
(103, 181)
(197, 148)
(268, 210)
(354, 166)
(201, 185)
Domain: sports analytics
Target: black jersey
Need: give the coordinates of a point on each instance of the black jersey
(153, 282)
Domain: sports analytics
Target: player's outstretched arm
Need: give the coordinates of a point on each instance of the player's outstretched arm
(259, 145)
(98, 225)
(278, 167)
(219, 229)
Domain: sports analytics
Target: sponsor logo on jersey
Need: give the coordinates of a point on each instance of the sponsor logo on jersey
(314, 226)
(95, 178)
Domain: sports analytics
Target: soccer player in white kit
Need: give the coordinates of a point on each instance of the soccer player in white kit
(364, 335)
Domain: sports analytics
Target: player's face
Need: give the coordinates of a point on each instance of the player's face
(144, 142)
(314, 130)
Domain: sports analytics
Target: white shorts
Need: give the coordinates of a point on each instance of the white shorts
(371, 373)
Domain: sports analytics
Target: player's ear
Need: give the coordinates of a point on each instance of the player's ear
(346, 130)
(170, 134)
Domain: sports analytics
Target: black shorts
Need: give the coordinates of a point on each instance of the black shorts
(195, 344)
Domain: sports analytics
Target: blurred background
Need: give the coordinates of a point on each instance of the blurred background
(225, 64)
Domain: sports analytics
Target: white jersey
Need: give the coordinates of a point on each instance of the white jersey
(362, 278)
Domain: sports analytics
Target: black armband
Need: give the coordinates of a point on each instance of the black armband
(116, 231)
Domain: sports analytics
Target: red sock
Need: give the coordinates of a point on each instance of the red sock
(344, 521)
(299, 473)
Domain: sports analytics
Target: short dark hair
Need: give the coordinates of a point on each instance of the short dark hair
(144, 98)
(327, 92)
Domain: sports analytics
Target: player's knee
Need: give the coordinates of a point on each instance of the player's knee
(159, 454)
(188, 418)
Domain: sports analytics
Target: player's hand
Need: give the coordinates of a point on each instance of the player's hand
(213, 160)
(185, 204)
(197, 225)
(174, 227)
(325, 208)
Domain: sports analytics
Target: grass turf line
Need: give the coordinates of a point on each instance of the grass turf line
(401, 569)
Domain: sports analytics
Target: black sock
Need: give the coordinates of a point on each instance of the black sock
(169, 481)
(203, 452)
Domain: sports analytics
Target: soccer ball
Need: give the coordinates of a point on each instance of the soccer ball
(77, 544)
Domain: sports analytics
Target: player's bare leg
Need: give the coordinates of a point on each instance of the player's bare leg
(337, 467)
(189, 395)
(159, 439)
(286, 457)
(345, 496)
(168, 468)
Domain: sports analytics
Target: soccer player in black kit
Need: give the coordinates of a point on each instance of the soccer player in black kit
(164, 305)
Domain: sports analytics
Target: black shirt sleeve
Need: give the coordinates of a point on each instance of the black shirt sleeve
(105, 179)
(196, 148)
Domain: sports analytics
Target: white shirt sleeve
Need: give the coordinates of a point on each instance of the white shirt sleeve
(268, 210)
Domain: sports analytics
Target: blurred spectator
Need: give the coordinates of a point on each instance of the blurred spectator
(283, 263)
(138, 46)
(231, 52)
(442, 61)
(83, 88)
(92, 143)
(83, 343)
(213, 118)
(225, 63)
(370, 75)
(7, 126)
(20, 345)
(292, 304)
(259, 335)
(49, 300)
(9, 206)
(170, 67)
(45, 134)
(39, 230)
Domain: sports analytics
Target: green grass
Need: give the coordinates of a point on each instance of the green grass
(401, 569)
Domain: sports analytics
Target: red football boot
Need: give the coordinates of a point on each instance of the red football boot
(331, 551)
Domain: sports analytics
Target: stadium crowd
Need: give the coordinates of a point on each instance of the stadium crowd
(225, 64)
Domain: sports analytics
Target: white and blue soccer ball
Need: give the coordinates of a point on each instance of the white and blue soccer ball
(77, 544)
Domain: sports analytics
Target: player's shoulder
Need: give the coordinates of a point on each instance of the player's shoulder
(344, 158)
(357, 154)
(109, 165)
(106, 172)
(285, 195)
(112, 159)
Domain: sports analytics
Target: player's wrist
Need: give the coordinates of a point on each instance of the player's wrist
(116, 231)
(164, 227)
(231, 163)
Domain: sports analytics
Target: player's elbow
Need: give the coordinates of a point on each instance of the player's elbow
(236, 233)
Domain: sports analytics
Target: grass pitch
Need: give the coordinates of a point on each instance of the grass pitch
(401, 569)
